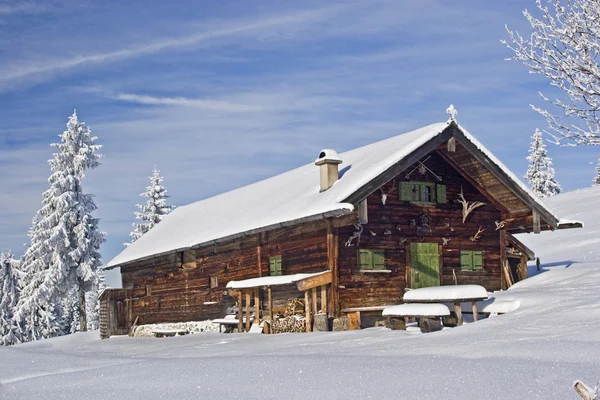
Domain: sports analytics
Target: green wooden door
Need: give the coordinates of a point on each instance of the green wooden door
(425, 265)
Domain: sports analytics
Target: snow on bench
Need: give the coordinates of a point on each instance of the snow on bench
(416, 310)
(168, 332)
(448, 293)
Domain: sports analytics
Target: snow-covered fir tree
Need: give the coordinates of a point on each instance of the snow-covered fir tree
(597, 178)
(155, 208)
(35, 320)
(540, 174)
(67, 234)
(9, 296)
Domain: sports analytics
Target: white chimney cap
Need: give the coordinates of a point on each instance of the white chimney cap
(328, 156)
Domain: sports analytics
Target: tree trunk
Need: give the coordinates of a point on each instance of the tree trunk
(82, 313)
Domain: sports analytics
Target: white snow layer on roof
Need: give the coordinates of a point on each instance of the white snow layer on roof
(291, 196)
(450, 292)
(270, 280)
(415, 309)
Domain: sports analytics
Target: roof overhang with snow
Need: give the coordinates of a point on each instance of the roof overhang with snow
(294, 197)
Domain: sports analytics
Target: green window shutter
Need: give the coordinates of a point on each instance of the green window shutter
(466, 260)
(365, 259)
(477, 260)
(406, 191)
(275, 265)
(378, 259)
(441, 194)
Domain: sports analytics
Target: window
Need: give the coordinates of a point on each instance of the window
(471, 260)
(214, 281)
(275, 265)
(371, 259)
(422, 192)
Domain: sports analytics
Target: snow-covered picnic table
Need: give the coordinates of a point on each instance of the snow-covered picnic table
(449, 294)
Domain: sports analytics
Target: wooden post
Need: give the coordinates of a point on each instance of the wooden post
(503, 243)
(332, 263)
(240, 311)
(458, 312)
(536, 222)
(247, 310)
(324, 299)
(258, 254)
(475, 316)
(257, 306)
(307, 311)
(314, 301)
(270, 300)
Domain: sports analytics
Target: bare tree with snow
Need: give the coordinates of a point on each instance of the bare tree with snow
(540, 174)
(9, 296)
(67, 233)
(597, 178)
(564, 46)
(154, 210)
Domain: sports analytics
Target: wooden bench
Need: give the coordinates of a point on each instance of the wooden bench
(354, 314)
(427, 314)
(229, 322)
(168, 332)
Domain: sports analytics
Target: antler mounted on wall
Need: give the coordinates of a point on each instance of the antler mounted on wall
(477, 236)
(500, 225)
(355, 235)
(467, 208)
(385, 195)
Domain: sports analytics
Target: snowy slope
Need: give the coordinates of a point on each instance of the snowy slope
(534, 352)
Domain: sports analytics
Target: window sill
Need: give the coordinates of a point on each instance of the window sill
(375, 271)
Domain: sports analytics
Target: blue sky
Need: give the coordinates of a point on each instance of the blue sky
(218, 95)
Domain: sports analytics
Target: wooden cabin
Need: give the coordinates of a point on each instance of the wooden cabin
(429, 207)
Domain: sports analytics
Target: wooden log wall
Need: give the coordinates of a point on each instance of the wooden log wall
(164, 292)
(359, 289)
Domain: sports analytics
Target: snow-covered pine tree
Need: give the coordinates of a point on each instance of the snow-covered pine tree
(540, 174)
(155, 208)
(68, 230)
(35, 320)
(9, 296)
(597, 178)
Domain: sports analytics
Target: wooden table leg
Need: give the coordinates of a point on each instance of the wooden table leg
(458, 312)
(474, 303)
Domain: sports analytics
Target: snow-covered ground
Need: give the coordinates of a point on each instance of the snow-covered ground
(534, 352)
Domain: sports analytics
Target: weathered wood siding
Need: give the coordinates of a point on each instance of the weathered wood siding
(164, 292)
(379, 288)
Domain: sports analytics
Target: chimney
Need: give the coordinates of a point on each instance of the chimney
(328, 162)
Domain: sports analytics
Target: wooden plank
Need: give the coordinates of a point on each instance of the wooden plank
(247, 310)
(536, 222)
(458, 312)
(332, 264)
(307, 311)
(258, 255)
(503, 244)
(270, 300)
(257, 306)
(240, 312)
(314, 301)
(314, 281)
(324, 299)
(354, 318)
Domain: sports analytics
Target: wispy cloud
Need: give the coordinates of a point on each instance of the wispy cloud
(233, 28)
(216, 105)
(25, 8)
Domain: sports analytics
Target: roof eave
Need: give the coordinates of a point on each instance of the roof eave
(337, 213)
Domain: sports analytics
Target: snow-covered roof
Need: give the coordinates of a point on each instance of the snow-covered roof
(271, 280)
(286, 199)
